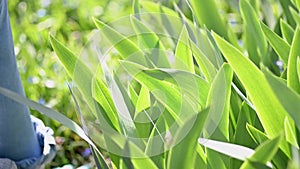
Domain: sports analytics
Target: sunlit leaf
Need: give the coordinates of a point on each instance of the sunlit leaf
(295, 15)
(124, 45)
(209, 16)
(219, 102)
(278, 44)
(262, 96)
(256, 135)
(292, 79)
(287, 97)
(255, 41)
(183, 53)
(264, 152)
(287, 31)
(290, 134)
(180, 155)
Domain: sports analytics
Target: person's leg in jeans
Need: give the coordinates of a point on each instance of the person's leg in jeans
(18, 140)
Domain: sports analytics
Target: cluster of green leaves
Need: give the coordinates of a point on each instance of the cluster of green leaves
(227, 97)
(42, 75)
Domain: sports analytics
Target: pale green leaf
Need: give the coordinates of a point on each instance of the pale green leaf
(143, 101)
(285, 6)
(262, 96)
(287, 31)
(207, 68)
(287, 97)
(122, 44)
(264, 152)
(298, 67)
(290, 133)
(292, 79)
(149, 41)
(295, 15)
(219, 102)
(183, 53)
(101, 94)
(255, 41)
(256, 134)
(278, 44)
(207, 13)
(181, 155)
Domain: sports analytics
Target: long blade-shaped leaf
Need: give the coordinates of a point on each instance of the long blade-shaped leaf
(150, 41)
(183, 53)
(83, 77)
(264, 153)
(292, 79)
(287, 97)
(181, 155)
(208, 69)
(278, 44)
(219, 101)
(255, 40)
(122, 44)
(262, 96)
(207, 14)
(287, 31)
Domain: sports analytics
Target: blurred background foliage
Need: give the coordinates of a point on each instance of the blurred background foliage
(70, 21)
(43, 77)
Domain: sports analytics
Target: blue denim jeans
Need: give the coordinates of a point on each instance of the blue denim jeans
(19, 139)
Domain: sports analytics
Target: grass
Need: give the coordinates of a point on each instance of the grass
(171, 87)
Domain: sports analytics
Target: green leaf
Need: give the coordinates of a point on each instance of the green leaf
(207, 68)
(56, 116)
(292, 79)
(101, 94)
(216, 160)
(136, 8)
(183, 53)
(287, 31)
(147, 38)
(255, 165)
(150, 41)
(219, 102)
(255, 41)
(278, 44)
(143, 101)
(131, 153)
(256, 135)
(298, 67)
(285, 6)
(200, 158)
(259, 137)
(83, 77)
(209, 16)
(295, 15)
(296, 3)
(77, 70)
(287, 97)
(264, 152)
(169, 86)
(240, 136)
(262, 96)
(181, 155)
(290, 133)
(122, 44)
